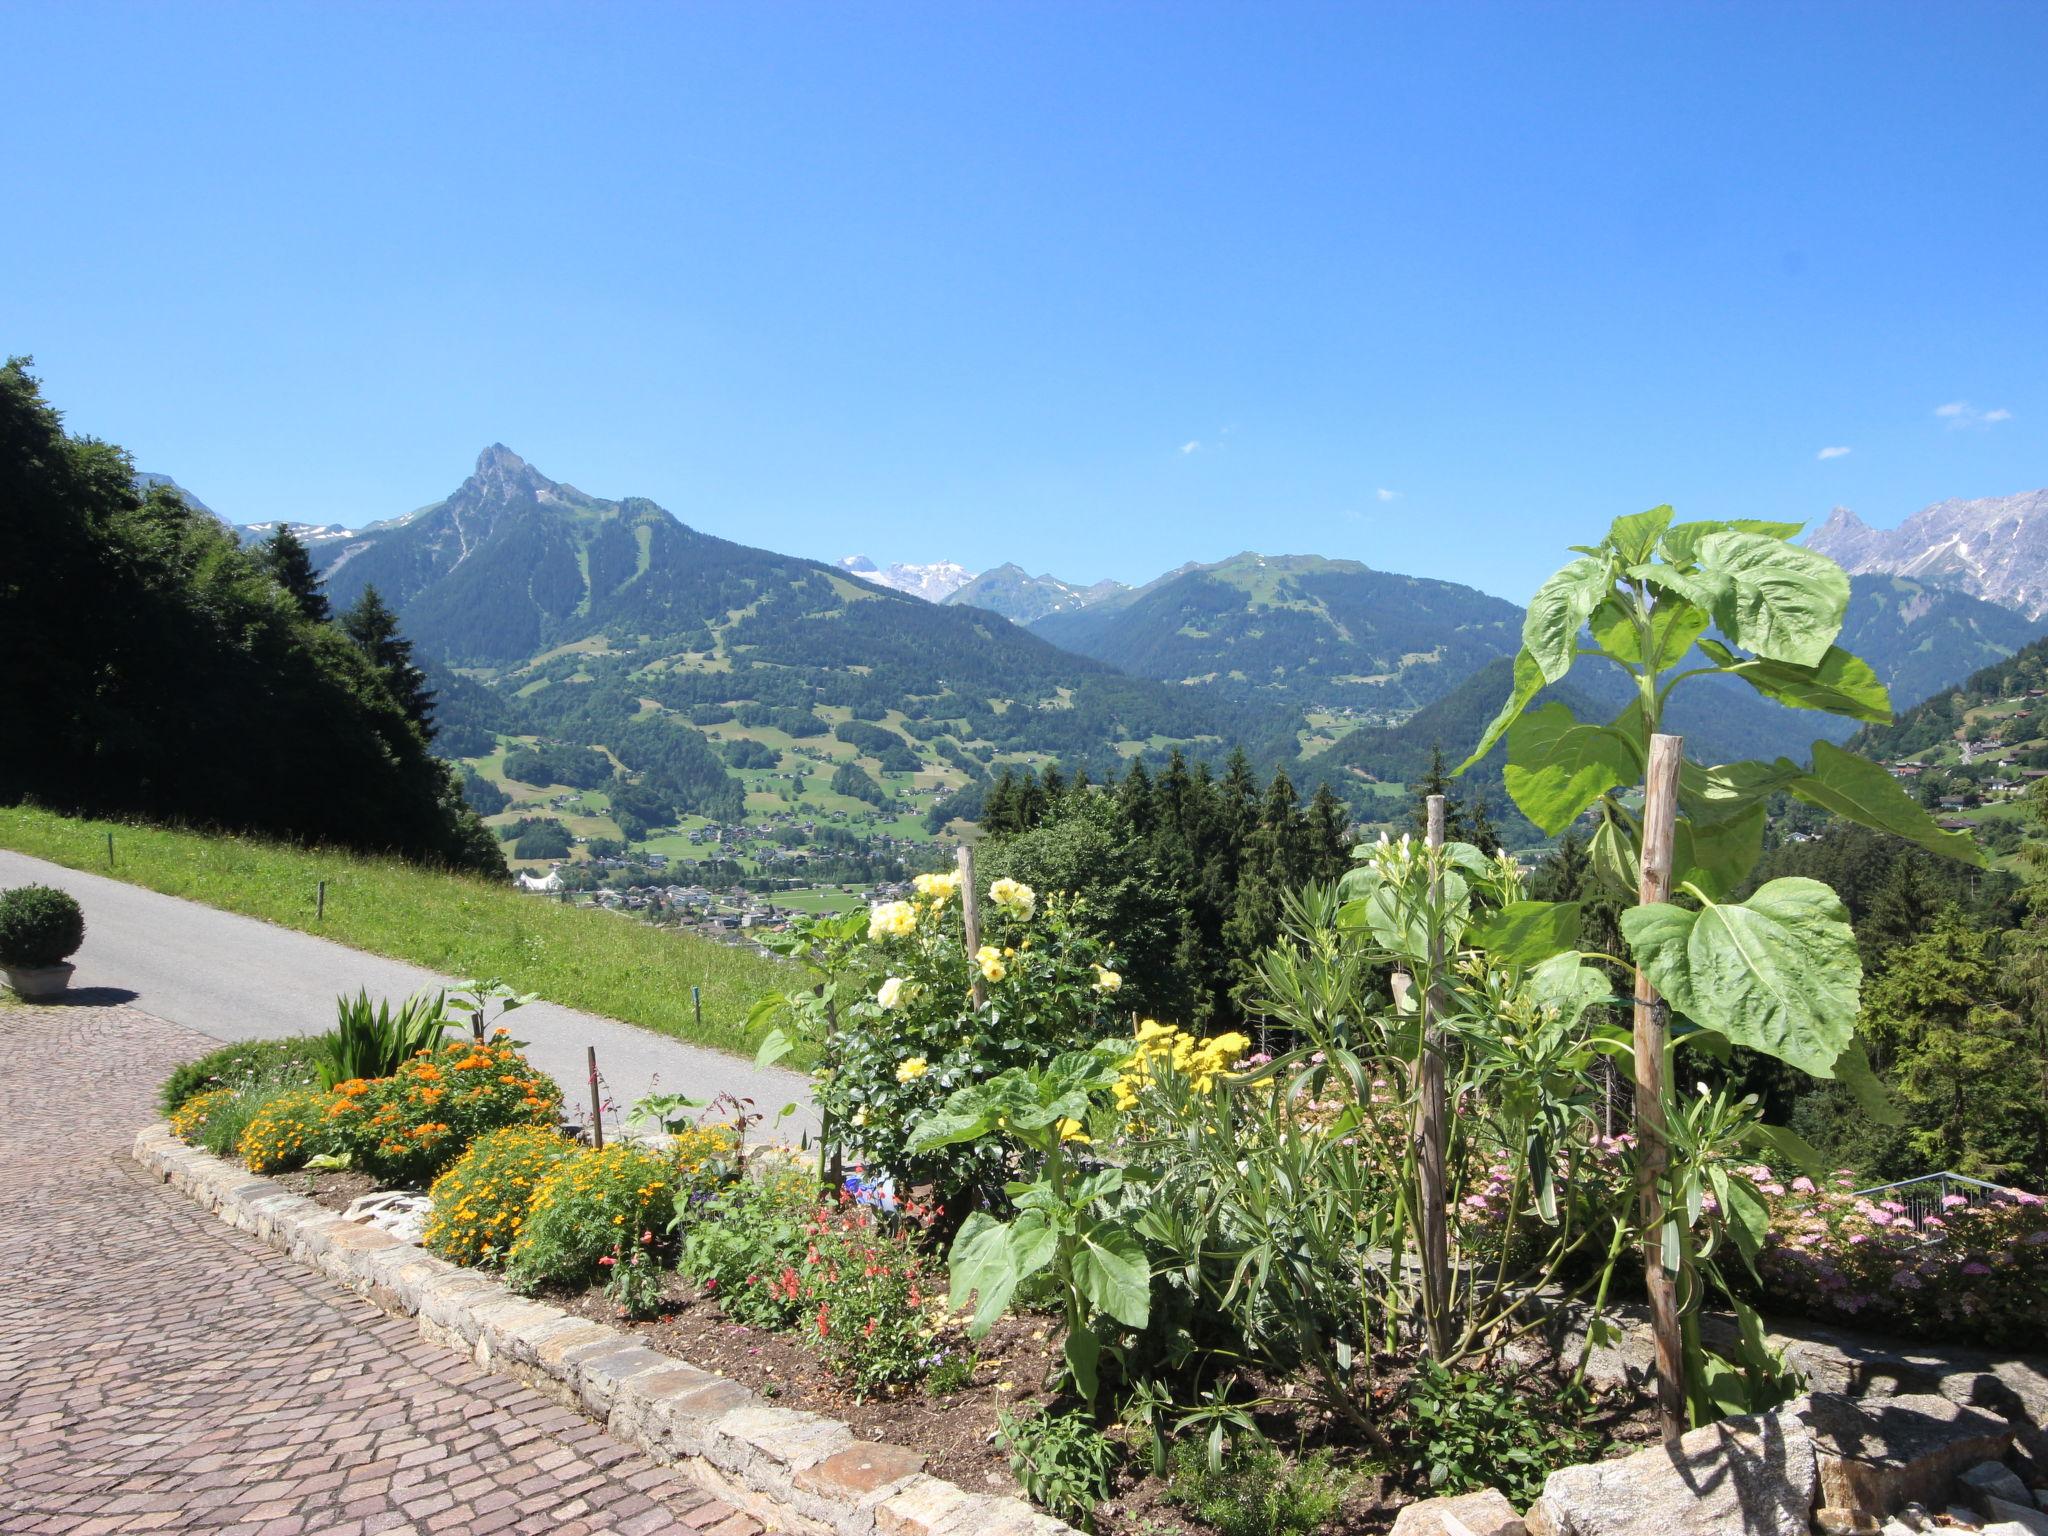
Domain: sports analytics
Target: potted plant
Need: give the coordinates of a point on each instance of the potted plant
(40, 928)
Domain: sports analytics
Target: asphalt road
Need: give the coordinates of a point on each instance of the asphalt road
(236, 978)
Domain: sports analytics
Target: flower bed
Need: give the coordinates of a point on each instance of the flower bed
(1973, 1272)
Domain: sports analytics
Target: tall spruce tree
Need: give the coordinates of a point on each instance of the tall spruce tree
(374, 628)
(285, 556)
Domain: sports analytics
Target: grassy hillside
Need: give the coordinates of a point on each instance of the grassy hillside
(579, 957)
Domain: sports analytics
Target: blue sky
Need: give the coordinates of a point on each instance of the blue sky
(1095, 288)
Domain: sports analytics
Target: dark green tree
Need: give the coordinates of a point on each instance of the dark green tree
(285, 556)
(370, 622)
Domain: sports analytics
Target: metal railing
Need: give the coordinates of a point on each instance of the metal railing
(1934, 1194)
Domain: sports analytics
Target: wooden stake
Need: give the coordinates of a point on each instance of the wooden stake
(320, 903)
(1653, 1153)
(1431, 1113)
(970, 920)
(110, 850)
(697, 1007)
(596, 1104)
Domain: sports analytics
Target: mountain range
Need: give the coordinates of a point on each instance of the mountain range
(1995, 547)
(555, 615)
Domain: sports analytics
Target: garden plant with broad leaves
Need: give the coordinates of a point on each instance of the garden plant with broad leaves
(1777, 973)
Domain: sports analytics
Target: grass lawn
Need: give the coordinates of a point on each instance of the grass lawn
(459, 926)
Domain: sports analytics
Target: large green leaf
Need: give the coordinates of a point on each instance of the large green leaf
(1682, 542)
(1715, 855)
(1565, 982)
(1781, 601)
(1778, 973)
(990, 1258)
(1113, 1273)
(1559, 610)
(1557, 766)
(1634, 537)
(1528, 683)
(1526, 932)
(1615, 857)
(1674, 625)
(1710, 793)
(1863, 792)
(1840, 684)
(1853, 1068)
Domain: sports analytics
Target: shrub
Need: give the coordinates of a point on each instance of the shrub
(39, 926)
(738, 1241)
(1061, 1460)
(481, 1202)
(1255, 1491)
(1976, 1272)
(374, 1042)
(285, 1130)
(289, 1061)
(227, 1116)
(867, 1288)
(1467, 1430)
(592, 1207)
(414, 1123)
(193, 1111)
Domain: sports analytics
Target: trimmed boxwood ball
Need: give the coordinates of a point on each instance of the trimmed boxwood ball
(40, 926)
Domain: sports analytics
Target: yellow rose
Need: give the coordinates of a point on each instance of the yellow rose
(937, 888)
(911, 1068)
(1107, 980)
(990, 959)
(1014, 896)
(891, 920)
(890, 993)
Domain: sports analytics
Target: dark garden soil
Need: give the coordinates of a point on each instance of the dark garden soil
(334, 1190)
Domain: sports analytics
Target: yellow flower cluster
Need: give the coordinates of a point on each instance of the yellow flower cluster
(937, 889)
(911, 1068)
(1014, 897)
(590, 1205)
(891, 920)
(1107, 980)
(482, 1201)
(990, 959)
(189, 1116)
(1166, 1048)
(285, 1132)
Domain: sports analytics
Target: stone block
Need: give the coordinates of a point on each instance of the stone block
(2002, 1512)
(929, 1507)
(769, 1446)
(684, 1421)
(1992, 1479)
(1830, 1521)
(598, 1375)
(1752, 1475)
(632, 1417)
(1486, 1512)
(1879, 1454)
(860, 1471)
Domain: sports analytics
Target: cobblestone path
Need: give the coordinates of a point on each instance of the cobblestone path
(162, 1372)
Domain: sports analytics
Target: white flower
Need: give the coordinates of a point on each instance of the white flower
(890, 993)
(1107, 980)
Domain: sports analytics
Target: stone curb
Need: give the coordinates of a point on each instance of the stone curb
(795, 1472)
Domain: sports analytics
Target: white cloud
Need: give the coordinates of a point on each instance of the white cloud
(1191, 446)
(1832, 453)
(1386, 495)
(1960, 413)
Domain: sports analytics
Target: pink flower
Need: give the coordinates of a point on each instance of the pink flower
(2024, 1198)
(1975, 1268)
(1950, 1202)
(1803, 1185)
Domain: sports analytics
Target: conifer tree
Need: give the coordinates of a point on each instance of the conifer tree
(284, 555)
(374, 628)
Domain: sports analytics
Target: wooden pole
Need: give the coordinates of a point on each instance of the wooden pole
(320, 903)
(1653, 1153)
(110, 850)
(970, 920)
(697, 1007)
(1432, 1112)
(596, 1104)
